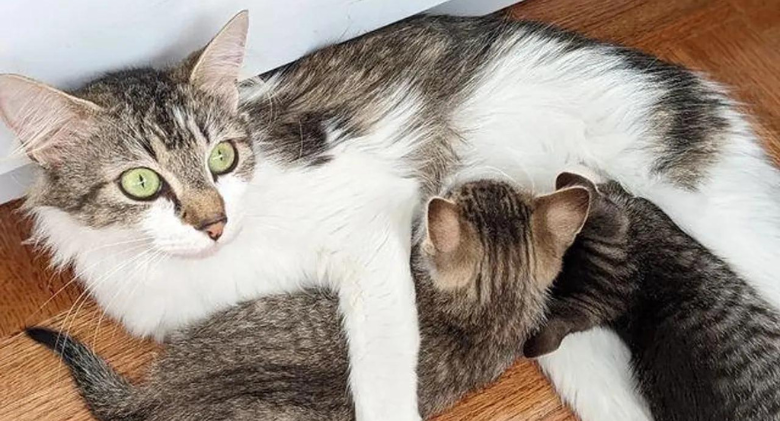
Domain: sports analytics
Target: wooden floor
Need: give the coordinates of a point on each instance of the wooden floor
(737, 41)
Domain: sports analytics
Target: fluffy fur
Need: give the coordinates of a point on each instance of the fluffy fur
(348, 143)
(480, 291)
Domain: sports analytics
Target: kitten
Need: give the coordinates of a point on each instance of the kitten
(705, 345)
(481, 273)
(176, 194)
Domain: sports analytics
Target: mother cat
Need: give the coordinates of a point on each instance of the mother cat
(156, 183)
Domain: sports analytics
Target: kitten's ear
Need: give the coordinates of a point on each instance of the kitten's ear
(560, 216)
(43, 118)
(217, 68)
(444, 230)
(568, 179)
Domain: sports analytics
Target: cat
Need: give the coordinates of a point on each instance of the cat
(322, 168)
(705, 345)
(481, 274)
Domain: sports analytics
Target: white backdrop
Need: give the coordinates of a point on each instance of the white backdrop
(67, 42)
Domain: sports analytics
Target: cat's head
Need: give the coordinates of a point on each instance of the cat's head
(497, 248)
(160, 155)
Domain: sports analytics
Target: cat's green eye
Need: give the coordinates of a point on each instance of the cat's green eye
(140, 183)
(222, 158)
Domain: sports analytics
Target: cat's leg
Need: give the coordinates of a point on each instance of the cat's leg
(592, 373)
(377, 302)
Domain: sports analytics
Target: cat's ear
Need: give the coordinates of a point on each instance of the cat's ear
(560, 216)
(568, 179)
(217, 68)
(444, 229)
(45, 120)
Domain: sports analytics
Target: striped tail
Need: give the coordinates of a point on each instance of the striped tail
(108, 395)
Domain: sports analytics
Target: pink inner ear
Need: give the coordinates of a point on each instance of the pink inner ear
(564, 213)
(43, 118)
(444, 229)
(217, 69)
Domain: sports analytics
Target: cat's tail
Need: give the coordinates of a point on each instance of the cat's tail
(108, 395)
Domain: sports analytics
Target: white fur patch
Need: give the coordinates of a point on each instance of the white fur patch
(257, 89)
(169, 234)
(592, 372)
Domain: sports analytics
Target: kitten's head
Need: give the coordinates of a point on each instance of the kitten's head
(497, 248)
(158, 155)
(583, 297)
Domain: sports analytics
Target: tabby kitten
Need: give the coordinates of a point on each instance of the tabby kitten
(481, 273)
(705, 345)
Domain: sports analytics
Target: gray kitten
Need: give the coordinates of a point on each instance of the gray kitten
(704, 344)
(481, 272)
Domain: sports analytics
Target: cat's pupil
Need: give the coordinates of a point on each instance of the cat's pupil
(141, 181)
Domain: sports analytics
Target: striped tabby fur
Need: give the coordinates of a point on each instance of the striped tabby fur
(704, 344)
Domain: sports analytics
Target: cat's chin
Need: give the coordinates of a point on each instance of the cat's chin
(192, 253)
(195, 251)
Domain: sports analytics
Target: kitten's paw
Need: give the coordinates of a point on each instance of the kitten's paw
(547, 339)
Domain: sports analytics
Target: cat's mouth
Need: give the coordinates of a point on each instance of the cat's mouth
(174, 237)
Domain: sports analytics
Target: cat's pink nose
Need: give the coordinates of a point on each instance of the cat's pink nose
(214, 229)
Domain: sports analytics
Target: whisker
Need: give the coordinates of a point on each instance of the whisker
(121, 290)
(160, 256)
(73, 279)
(83, 295)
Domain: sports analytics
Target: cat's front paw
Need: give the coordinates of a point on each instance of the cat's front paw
(387, 398)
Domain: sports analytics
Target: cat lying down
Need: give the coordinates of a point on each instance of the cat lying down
(482, 273)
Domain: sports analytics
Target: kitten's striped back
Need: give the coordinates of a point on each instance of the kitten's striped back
(704, 344)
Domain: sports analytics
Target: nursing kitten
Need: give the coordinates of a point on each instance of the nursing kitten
(705, 345)
(481, 274)
(176, 194)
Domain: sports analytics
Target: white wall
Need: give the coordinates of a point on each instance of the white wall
(65, 43)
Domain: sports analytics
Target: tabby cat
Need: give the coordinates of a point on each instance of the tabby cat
(705, 345)
(481, 275)
(177, 193)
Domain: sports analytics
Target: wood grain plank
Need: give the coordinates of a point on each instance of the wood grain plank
(31, 291)
(521, 393)
(35, 385)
